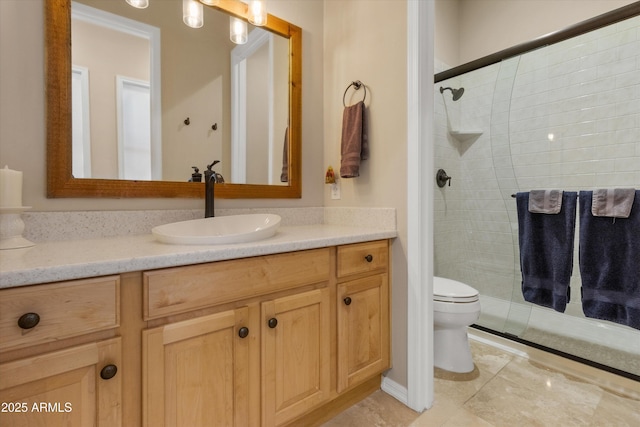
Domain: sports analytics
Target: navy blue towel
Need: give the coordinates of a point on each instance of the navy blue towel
(610, 264)
(546, 251)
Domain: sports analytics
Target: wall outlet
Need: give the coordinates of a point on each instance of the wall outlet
(335, 191)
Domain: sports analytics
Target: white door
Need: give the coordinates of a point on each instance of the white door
(134, 129)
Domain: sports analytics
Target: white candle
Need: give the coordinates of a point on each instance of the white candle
(10, 188)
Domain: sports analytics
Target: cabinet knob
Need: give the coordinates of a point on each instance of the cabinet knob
(273, 322)
(243, 332)
(369, 258)
(347, 301)
(28, 320)
(108, 372)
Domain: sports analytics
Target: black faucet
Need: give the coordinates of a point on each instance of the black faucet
(210, 178)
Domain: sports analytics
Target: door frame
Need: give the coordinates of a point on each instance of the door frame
(420, 193)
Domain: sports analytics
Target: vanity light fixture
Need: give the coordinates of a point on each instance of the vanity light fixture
(139, 4)
(238, 30)
(192, 13)
(257, 12)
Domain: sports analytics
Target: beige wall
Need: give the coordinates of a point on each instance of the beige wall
(100, 50)
(22, 110)
(447, 34)
(280, 92)
(258, 130)
(366, 40)
(487, 26)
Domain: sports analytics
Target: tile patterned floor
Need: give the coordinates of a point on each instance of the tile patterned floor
(507, 389)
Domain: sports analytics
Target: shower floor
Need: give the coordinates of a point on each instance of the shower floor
(602, 342)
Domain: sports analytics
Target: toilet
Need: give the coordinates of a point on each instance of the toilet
(455, 306)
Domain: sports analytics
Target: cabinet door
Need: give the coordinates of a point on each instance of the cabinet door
(79, 386)
(363, 329)
(196, 372)
(295, 355)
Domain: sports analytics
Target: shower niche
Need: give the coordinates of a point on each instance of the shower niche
(456, 111)
(465, 135)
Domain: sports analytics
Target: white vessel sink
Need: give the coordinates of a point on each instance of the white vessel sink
(218, 230)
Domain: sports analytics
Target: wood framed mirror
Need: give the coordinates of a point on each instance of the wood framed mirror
(60, 180)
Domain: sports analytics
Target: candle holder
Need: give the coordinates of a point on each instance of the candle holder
(12, 227)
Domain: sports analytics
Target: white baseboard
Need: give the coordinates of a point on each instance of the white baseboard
(394, 389)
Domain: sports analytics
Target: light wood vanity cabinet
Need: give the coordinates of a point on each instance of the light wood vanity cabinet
(363, 329)
(265, 345)
(296, 354)
(363, 312)
(274, 340)
(197, 372)
(57, 367)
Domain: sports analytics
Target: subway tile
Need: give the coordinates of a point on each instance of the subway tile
(619, 38)
(629, 164)
(615, 68)
(616, 123)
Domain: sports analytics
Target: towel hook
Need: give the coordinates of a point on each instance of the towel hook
(357, 85)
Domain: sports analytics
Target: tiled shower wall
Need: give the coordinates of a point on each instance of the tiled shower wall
(565, 116)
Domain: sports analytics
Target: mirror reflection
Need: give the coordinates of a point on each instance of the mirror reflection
(152, 97)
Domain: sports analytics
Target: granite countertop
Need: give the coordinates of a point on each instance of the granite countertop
(65, 260)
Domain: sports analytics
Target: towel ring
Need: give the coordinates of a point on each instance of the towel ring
(357, 85)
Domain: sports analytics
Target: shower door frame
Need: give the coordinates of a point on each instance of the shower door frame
(616, 15)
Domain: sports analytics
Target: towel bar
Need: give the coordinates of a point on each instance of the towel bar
(514, 196)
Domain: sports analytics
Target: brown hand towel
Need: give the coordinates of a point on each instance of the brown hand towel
(615, 203)
(284, 176)
(545, 201)
(355, 143)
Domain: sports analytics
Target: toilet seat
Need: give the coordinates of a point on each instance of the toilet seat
(452, 291)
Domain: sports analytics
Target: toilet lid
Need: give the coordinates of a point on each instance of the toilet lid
(449, 290)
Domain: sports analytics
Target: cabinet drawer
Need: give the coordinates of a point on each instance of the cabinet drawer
(181, 289)
(362, 257)
(64, 310)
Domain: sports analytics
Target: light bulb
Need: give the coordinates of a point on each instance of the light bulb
(257, 13)
(140, 4)
(238, 30)
(192, 13)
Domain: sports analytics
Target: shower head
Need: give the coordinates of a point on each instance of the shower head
(457, 93)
